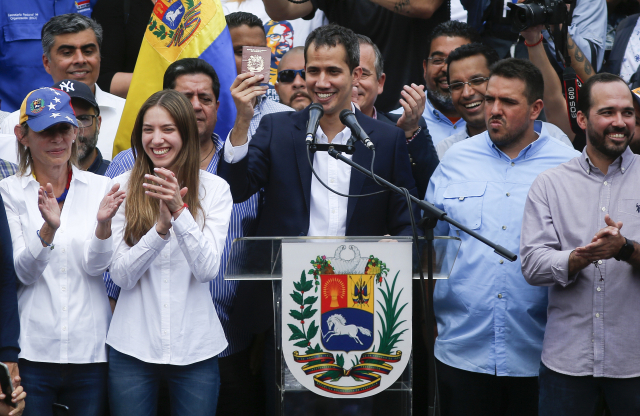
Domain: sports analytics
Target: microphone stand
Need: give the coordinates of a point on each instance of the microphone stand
(432, 215)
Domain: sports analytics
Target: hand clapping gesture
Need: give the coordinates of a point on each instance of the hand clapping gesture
(166, 189)
(48, 206)
(413, 102)
(107, 210)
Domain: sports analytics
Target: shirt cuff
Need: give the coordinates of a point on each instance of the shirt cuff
(101, 246)
(182, 224)
(155, 240)
(39, 252)
(560, 268)
(234, 154)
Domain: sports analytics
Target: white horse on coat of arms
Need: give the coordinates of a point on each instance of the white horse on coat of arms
(338, 326)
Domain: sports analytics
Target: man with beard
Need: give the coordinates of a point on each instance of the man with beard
(89, 121)
(490, 321)
(291, 87)
(573, 243)
(440, 114)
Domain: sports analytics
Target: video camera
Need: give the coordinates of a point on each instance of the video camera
(537, 12)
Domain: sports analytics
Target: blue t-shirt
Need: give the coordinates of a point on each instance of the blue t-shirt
(21, 68)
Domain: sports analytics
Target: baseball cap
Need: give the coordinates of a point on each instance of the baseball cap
(636, 94)
(77, 89)
(45, 107)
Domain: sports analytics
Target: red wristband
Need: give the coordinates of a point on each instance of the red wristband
(184, 206)
(535, 44)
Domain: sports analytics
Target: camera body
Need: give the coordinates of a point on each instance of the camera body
(537, 12)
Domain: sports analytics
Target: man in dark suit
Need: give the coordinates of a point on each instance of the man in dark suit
(276, 157)
(422, 154)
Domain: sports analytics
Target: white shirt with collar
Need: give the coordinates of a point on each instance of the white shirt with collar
(64, 309)
(328, 211)
(111, 107)
(165, 314)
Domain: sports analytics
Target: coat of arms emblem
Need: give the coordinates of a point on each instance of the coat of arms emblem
(347, 319)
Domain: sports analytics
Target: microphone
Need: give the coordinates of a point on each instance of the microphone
(349, 119)
(315, 114)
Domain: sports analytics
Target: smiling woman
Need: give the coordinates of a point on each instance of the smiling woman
(59, 255)
(169, 239)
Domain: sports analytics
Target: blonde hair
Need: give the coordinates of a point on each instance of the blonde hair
(140, 212)
(25, 161)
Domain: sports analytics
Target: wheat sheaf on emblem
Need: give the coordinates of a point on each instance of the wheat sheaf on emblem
(255, 63)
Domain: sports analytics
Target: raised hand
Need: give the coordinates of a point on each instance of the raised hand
(48, 206)
(413, 102)
(110, 204)
(605, 244)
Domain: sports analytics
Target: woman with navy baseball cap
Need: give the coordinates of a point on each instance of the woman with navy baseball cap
(60, 223)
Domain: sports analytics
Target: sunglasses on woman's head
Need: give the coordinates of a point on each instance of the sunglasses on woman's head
(288, 75)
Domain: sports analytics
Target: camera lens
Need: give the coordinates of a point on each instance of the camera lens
(526, 15)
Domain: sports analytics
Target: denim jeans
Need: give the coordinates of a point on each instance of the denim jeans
(81, 387)
(563, 395)
(134, 385)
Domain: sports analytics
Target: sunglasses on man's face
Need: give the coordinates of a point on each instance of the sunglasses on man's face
(288, 75)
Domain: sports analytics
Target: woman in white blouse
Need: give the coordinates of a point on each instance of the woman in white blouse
(168, 239)
(59, 255)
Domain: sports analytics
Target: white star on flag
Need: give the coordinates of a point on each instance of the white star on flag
(51, 106)
(54, 115)
(54, 91)
(56, 99)
(68, 118)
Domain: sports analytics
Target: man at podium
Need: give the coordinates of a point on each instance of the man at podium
(296, 203)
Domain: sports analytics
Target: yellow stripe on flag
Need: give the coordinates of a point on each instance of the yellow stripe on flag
(197, 24)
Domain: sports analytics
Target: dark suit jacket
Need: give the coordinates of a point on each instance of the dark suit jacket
(277, 161)
(422, 153)
(623, 34)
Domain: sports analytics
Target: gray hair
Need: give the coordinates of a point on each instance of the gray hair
(67, 23)
(379, 63)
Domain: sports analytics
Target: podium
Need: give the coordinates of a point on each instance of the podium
(260, 259)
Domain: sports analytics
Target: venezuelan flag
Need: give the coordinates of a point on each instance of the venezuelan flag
(180, 29)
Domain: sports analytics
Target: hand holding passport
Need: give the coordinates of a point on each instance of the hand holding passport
(257, 60)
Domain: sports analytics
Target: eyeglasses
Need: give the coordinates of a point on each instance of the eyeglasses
(288, 75)
(86, 120)
(473, 83)
(437, 60)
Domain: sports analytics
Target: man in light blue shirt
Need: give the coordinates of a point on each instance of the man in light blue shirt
(441, 116)
(490, 321)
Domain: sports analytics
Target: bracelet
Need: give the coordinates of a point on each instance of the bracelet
(535, 44)
(414, 135)
(162, 234)
(178, 210)
(51, 246)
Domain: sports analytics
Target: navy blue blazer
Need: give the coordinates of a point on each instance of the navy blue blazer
(277, 161)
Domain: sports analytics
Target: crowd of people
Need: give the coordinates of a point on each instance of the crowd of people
(113, 298)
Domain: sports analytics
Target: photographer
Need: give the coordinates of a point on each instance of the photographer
(588, 28)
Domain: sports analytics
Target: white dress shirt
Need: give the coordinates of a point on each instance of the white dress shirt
(327, 211)
(64, 309)
(111, 107)
(165, 314)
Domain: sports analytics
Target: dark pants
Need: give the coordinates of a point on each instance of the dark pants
(81, 387)
(465, 393)
(239, 388)
(134, 386)
(562, 395)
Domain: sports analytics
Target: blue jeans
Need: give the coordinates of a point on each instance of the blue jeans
(562, 395)
(81, 387)
(134, 385)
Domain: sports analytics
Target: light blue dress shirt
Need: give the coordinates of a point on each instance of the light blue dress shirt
(490, 320)
(440, 127)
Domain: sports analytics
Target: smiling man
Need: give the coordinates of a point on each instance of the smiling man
(440, 114)
(71, 51)
(490, 322)
(575, 246)
(467, 75)
(276, 159)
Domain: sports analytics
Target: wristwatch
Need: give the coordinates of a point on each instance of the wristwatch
(626, 251)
